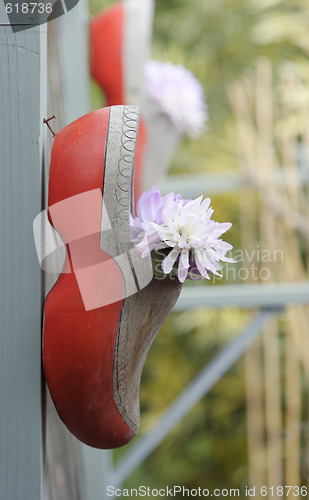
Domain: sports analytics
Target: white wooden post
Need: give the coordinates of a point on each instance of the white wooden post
(22, 107)
(68, 66)
(74, 61)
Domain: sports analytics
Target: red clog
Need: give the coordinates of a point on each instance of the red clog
(120, 39)
(120, 43)
(106, 61)
(102, 314)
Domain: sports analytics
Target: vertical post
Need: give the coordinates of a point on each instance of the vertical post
(70, 63)
(22, 104)
(98, 472)
(74, 61)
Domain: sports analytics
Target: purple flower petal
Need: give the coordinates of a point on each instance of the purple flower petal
(179, 95)
(184, 226)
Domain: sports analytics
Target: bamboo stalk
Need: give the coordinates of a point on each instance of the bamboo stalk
(273, 412)
(275, 199)
(253, 365)
(255, 415)
(293, 406)
(266, 173)
(296, 341)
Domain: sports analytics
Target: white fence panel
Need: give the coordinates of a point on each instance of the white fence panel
(22, 104)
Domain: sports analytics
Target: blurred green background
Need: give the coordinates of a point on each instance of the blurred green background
(224, 42)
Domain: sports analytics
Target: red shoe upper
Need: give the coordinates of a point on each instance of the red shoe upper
(78, 344)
